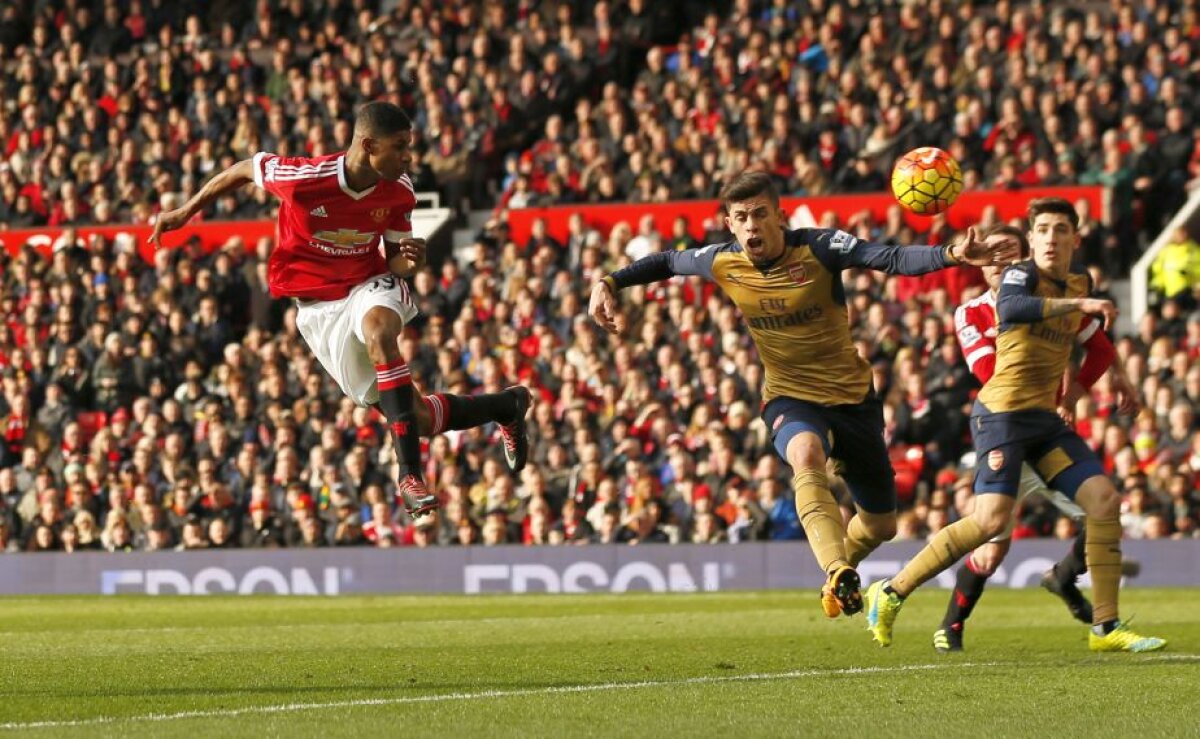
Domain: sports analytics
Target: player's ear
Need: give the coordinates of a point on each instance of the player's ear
(370, 145)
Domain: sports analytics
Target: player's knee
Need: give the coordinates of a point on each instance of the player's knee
(805, 453)
(992, 523)
(380, 337)
(882, 528)
(1103, 502)
(887, 530)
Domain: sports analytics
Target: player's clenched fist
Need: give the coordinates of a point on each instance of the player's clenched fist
(1100, 307)
(413, 249)
(605, 309)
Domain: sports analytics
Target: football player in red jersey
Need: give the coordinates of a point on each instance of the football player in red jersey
(353, 302)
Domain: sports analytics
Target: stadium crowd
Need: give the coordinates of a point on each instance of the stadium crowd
(112, 107)
(174, 405)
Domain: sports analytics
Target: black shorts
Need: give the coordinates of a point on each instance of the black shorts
(851, 434)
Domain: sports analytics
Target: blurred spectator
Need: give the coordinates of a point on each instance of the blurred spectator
(1175, 272)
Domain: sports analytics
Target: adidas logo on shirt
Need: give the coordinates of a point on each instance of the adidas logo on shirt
(318, 211)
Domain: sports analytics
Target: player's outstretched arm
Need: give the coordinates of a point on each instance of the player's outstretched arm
(1016, 302)
(839, 250)
(1099, 353)
(605, 308)
(236, 176)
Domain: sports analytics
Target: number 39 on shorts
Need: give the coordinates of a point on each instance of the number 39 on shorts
(387, 282)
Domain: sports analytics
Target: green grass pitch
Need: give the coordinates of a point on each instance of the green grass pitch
(729, 664)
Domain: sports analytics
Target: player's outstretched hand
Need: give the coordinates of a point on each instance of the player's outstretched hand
(605, 309)
(1127, 394)
(1066, 406)
(1100, 307)
(167, 221)
(997, 249)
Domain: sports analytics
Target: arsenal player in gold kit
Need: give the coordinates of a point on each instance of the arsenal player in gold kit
(818, 397)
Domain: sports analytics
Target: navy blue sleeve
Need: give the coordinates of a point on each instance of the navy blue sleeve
(838, 250)
(666, 264)
(696, 261)
(1016, 302)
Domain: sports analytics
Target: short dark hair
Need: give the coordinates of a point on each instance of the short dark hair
(1053, 205)
(749, 185)
(381, 119)
(1007, 230)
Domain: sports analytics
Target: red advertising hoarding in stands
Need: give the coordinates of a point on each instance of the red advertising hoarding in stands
(212, 235)
(803, 211)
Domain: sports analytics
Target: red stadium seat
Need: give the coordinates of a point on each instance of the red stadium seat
(91, 422)
(909, 463)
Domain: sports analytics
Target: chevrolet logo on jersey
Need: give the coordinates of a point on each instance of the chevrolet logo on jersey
(346, 237)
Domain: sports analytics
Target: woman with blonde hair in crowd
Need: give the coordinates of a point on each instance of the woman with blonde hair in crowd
(88, 535)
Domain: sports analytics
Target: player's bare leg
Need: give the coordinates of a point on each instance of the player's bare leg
(822, 522)
(866, 531)
(397, 399)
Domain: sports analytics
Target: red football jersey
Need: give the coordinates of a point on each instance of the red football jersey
(975, 326)
(327, 238)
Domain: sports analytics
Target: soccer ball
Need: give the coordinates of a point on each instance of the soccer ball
(927, 180)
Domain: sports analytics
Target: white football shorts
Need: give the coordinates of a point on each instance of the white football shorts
(333, 330)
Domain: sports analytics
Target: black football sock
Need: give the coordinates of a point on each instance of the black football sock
(469, 411)
(396, 402)
(968, 588)
(1074, 564)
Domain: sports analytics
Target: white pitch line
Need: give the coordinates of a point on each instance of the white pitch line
(1173, 658)
(486, 694)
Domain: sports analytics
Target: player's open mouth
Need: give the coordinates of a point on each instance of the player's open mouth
(754, 242)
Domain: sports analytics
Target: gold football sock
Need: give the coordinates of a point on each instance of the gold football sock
(946, 548)
(860, 541)
(821, 518)
(1103, 551)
